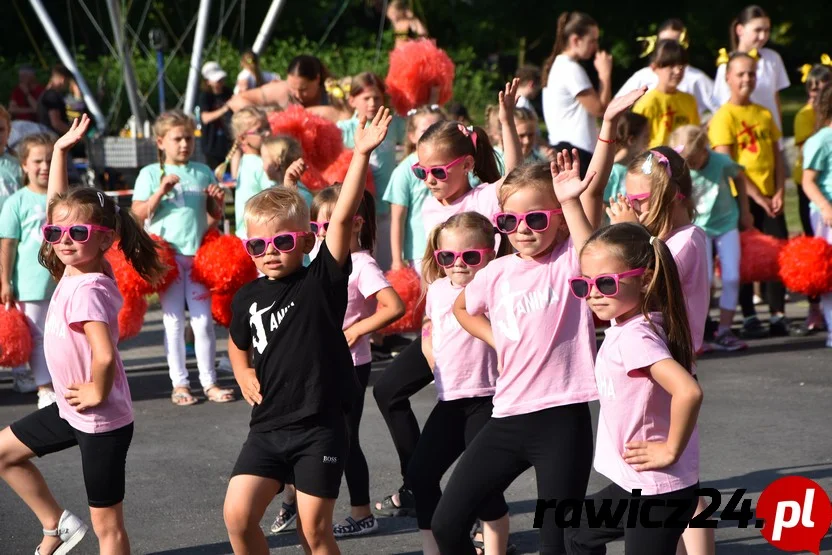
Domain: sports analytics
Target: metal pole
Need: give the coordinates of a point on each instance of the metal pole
(268, 26)
(69, 62)
(196, 55)
(160, 69)
(130, 85)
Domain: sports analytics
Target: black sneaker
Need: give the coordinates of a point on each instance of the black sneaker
(778, 327)
(752, 328)
(405, 508)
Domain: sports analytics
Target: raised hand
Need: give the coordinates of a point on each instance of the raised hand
(603, 64)
(618, 106)
(168, 183)
(620, 211)
(369, 137)
(76, 133)
(216, 193)
(566, 176)
(508, 100)
(293, 173)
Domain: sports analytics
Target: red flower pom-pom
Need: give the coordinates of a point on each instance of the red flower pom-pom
(223, 266)
(313, 180)
(15, 338)
(408, 285)
(167, 254)
(416, 67)
(210, 235)
(319, 138)
(221, 309)
(806, 266)
(337, 171)
(130, 282)
(131, 316)
(759, 256)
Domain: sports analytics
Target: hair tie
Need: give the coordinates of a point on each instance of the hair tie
(469, 132)
(412, 112)
(652, 238)
(804, 72)
(647, 167)
(101, 199)
(649, 45)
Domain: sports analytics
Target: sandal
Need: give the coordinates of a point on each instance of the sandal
(406, 507)
(71, 530)
(182, 398)
(352, 527)
(287, 515)
(217, 395)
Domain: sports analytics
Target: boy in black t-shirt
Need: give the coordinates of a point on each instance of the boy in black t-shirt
(290, 322)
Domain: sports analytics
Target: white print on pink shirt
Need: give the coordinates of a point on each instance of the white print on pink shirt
(605, 386)
(444, 325)
(530, 302)
(54, 326)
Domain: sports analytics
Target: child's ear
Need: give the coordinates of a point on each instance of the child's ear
(308, 243)
(357, 223)
(108, 240)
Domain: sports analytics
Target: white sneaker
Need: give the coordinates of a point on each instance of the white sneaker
(24, 382)
(224, 365)
(71, 530)
(45, 398)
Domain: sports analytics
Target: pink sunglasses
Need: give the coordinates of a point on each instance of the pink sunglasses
(536, 220)
(471, 257)
(607, 284)
(283, 242)
(439, 172)
(79, 233)
(642, 196)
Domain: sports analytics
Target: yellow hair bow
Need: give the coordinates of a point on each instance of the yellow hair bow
(649, 45)
(723, 57)
(825, 60)
(683, 39)
(804, 72)
(336, 90)
(753, 54)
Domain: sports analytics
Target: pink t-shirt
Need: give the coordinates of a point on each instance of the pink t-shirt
(545, 337)
(482, 199)
(76, 300)
(366, 279)
(689, 247)
(635, 408)
(465, 366)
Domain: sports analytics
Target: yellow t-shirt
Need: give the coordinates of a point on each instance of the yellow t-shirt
(666, 112)
(804, 127)
(752, 135)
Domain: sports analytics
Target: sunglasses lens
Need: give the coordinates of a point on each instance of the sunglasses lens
(439, 173)
(506, 223)
(284, 243)
(580, 288)
(420, 173)
(537, 221)
(256, 247)
(51, 234)
(606, 285)
(79, 233)
(445, 258)
(314, 227)
(472, 258)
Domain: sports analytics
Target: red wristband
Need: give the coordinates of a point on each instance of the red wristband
(612, 142)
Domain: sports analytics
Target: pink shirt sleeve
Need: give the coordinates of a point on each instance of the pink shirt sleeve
(642, 349)
(476, 293)
(89, 304)
(371, 280)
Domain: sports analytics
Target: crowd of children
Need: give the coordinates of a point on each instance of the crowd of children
(518, 246)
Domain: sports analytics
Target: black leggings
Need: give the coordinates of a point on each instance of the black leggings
(557, 442)
(638, 540)
(775, 291)
(450, 428)
(356, 470)
(805, 222)
(407, 374)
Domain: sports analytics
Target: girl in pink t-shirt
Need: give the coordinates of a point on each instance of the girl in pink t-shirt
(372, 304)
(545, 343)
(465, 372)
(93, 408)
(647, 439)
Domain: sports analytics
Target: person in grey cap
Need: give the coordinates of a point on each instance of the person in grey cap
(215, 114)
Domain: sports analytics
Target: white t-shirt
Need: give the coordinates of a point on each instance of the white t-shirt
(523, 102)
(566, 118)
(695, 82)
(771, 78)
(248, 76)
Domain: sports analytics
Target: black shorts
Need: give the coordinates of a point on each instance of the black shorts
(309, 454)
(103, 455)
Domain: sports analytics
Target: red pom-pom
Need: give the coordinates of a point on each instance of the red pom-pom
(337, 171)
(210, 235)
(223, 266)
(167, 254)
(313, 180)
(408, 285)
(416, 67)
(131, 316)
(319, 138)
(221, 309)
(759, 256)
(806, 266)
(130, 282)
(15, 338)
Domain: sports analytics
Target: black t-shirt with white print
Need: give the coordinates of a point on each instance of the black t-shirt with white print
(293, 326)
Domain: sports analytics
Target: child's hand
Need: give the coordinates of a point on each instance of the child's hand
(83, 396)
(398, 264)
(168, 183)
(76, 133)
(508, 99)
(826, 214)
(648, 455)
(566, 176)
(250, 386)
(603, 64)
(351, 335)
(620, 211)
(778, 202)
(293, 173)
(216, 193)
(367, 139)
(764, 203)
(6, 294)
(618, 106)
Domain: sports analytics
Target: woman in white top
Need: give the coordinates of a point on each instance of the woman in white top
(251, 75)
(749, 31)
(570, 103)
(695, 82)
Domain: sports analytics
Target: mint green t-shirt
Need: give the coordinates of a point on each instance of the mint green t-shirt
(616, 183)
(817, 155)
(382, 160)
(11, 176)
(181, 218)
(22, 217)
(251, 179)
(405, 189)
(717, 211)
